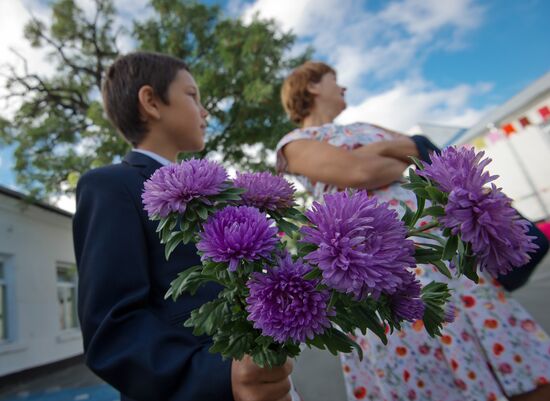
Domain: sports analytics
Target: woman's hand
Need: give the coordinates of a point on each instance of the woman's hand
(400, 148)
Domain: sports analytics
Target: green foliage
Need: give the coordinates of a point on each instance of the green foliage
(60, 129)
(435, 295)
(238, 68)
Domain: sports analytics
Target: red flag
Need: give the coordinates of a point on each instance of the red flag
(545, 112)
(508, 129)
(524, 121)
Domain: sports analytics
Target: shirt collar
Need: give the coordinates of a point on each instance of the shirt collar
(154, 156)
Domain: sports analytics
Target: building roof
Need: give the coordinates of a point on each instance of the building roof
(441, 135)
(43, 205)
(536, 90)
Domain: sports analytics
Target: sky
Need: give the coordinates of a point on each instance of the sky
(403, 61)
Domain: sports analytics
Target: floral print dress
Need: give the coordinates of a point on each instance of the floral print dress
(493, 350)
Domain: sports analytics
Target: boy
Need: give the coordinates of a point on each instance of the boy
(133, 338)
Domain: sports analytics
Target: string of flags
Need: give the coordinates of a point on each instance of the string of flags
(508, 129)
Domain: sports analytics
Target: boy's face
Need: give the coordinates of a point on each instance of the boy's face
(183, 119)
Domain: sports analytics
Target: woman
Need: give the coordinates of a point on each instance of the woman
(493, 350)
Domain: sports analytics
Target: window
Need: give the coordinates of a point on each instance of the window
(66, 296)
(3, 303)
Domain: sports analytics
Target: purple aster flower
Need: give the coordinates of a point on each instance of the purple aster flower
(265, 191)
(405, 302)
(481, 216)
(284, 305)
(235, 233)
(458, 168)
(497, 234)
(449, 314)
(362, 246)
(172, 187)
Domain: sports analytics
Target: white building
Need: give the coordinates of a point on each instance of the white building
(516, 136)
(38, 320)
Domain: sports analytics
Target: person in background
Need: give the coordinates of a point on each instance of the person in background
(493, 350)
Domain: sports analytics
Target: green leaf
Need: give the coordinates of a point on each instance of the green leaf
(336, 341)
(469, 268)
(314, 274)
(183, 281)
(211, 268)
(450, 248)
(316, 342)
(415, 178)
(202, 212)
(443, 269)
(208, 318)
(287, 227)
(185, 225)
(220, 343)
(418, 162)
(295, 214)
(430, 236)
(423, 255)
(371, 321)
(238, 346)
(187, 236)
(434, 295)
(420, 202)
(162, 223)
(435, 211)
(421, 192)
(305, 248)
(173, 242)
(408, 216)
(436, 195)
(269, 358)
(233, 191)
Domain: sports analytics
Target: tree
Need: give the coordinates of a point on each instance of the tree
(60, 129)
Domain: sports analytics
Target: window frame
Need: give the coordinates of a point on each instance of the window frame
(64, 285)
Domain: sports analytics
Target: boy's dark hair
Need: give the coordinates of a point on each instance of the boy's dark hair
(121, 85)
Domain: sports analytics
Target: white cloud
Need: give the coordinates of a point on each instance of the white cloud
(412, 101)
(379, 46)
(15, 14)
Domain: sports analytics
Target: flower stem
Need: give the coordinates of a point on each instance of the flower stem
(426, 227)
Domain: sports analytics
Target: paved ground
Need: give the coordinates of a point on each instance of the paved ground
(74, 383)
(317, 374)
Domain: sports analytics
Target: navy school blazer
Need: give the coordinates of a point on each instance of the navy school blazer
(133, 338)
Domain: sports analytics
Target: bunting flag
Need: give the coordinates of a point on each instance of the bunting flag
(479, 143)
(524, 121)
(508, 129)
(494, 136)
(544, 112)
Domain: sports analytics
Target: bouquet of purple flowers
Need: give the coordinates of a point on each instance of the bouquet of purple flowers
(351, 267)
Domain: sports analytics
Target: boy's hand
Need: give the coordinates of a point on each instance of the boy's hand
(252, 383)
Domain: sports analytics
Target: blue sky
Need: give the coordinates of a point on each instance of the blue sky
(404, 61)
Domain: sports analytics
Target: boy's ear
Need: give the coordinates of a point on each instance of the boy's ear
(148, 103)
